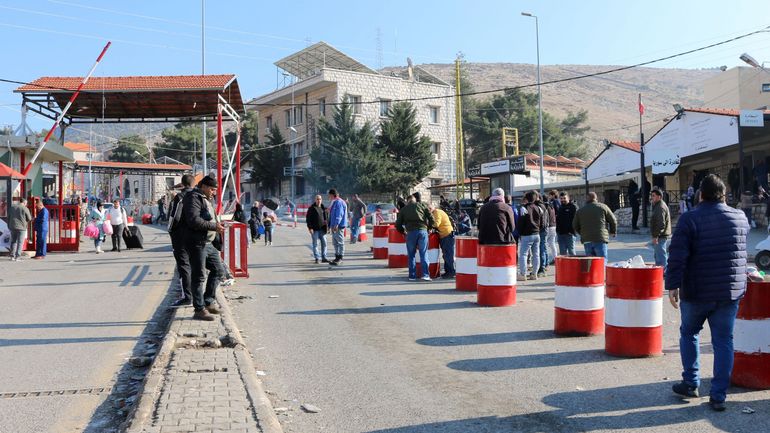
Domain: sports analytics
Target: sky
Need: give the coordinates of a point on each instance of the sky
(245, 37)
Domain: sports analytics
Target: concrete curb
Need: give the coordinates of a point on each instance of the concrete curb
(145, 405)
(263, 409)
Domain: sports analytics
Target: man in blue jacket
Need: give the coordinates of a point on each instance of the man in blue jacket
(338, 212)
(707, 271)
(41, 230)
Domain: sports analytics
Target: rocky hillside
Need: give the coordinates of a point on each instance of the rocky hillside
(611, 100)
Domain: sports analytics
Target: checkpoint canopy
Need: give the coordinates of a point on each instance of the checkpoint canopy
(617, 159)
(147, 99)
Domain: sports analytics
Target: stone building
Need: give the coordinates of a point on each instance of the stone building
(320, 76)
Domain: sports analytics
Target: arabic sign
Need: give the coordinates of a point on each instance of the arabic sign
(473, 171)
(692, 134)
(753, 118)
(495, 167)
(518, 164)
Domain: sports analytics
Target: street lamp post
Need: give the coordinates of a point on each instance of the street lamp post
(539, 100)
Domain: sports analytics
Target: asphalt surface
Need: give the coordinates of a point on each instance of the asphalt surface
(69, 322)
(377, 353)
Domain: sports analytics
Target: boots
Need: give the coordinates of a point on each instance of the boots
(336, 261)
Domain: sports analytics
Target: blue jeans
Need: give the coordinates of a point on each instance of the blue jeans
(596, 249)
(354, 229)
(417, 240)
(448, 252)
(41, 242)
(338, 240)
(319, 236)
(202, 257)
(661, 252)
(566, 244)
(721, 318)
(525, 244)
(543, 251)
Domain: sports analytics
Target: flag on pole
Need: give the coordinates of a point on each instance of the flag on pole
(641, 105)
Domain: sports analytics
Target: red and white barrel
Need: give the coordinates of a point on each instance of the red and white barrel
(380, 241)
(396, 249)
(496, 275)
(302, 210)
(362, 230)
(579, 300)
(633, 314)
(434, 250)
(69, 233)
(751, 338)
(466, 252)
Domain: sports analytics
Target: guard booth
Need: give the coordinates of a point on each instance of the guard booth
(10, 186)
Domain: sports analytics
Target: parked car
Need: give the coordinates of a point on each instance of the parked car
(388, 212)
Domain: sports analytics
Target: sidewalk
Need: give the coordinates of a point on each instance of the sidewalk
(203, 380)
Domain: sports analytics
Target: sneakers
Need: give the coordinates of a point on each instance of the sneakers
(203, 315)
(412, 278)
(448, 276)
(212, 309)
(228, 282)
(686, 390)
(184, 302)
(532, 277)
(336, 261)
(324, 260)
(426, 277)
(717, 406)
(13, 259)
(541, 274)
(316, 261)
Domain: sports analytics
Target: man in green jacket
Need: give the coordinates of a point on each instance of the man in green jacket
(660, 228)
(591, 223)
(18, 223)
(414, 220)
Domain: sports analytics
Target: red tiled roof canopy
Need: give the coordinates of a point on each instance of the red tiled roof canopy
(142, 98)
(135, 165)
(6, 171)
(77, 147)
(720, 111)
(630, 145)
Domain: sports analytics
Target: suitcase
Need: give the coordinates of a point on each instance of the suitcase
(132, 237)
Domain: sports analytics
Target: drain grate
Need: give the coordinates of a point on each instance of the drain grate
(56, 393)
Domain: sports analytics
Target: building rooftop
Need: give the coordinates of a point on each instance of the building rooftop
(77, 147)
(309, 61)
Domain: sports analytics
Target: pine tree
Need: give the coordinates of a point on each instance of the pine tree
(268, 161)
(131, 148)
(348, 157)
(409, 155)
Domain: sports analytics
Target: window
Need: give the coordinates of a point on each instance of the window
(269, 122)
(322, 106)
(170, 182)
(288, 118)
(435, 182)
(300, 148)
(436, 149)
(766, 87)
(434, 114)
(298, 114)
(384, 107)
(355, 102)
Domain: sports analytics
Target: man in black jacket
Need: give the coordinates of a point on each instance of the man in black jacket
(496, 221)
(176, 230)
(547, 219)
(202, 227)
(564, 230)
(317, 226)
(529, 223)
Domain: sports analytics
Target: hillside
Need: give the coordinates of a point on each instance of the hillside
(611, 100)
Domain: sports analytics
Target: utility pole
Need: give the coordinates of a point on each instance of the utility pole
(203, 72)
(642, 170)
(459, 133)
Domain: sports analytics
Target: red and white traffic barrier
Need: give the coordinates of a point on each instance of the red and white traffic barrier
(380, 241)
(496, 275)
(69, 233)
(362, 230)
(751, 338)
(466, 250)
(434, 250)
(302, 210)
(234, 245)
(633, 315)
(579, 300)
(396, 249)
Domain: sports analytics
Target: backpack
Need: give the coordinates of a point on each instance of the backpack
(175, 215)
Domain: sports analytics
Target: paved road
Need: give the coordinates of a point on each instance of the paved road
(378, 353)
(68, 323)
